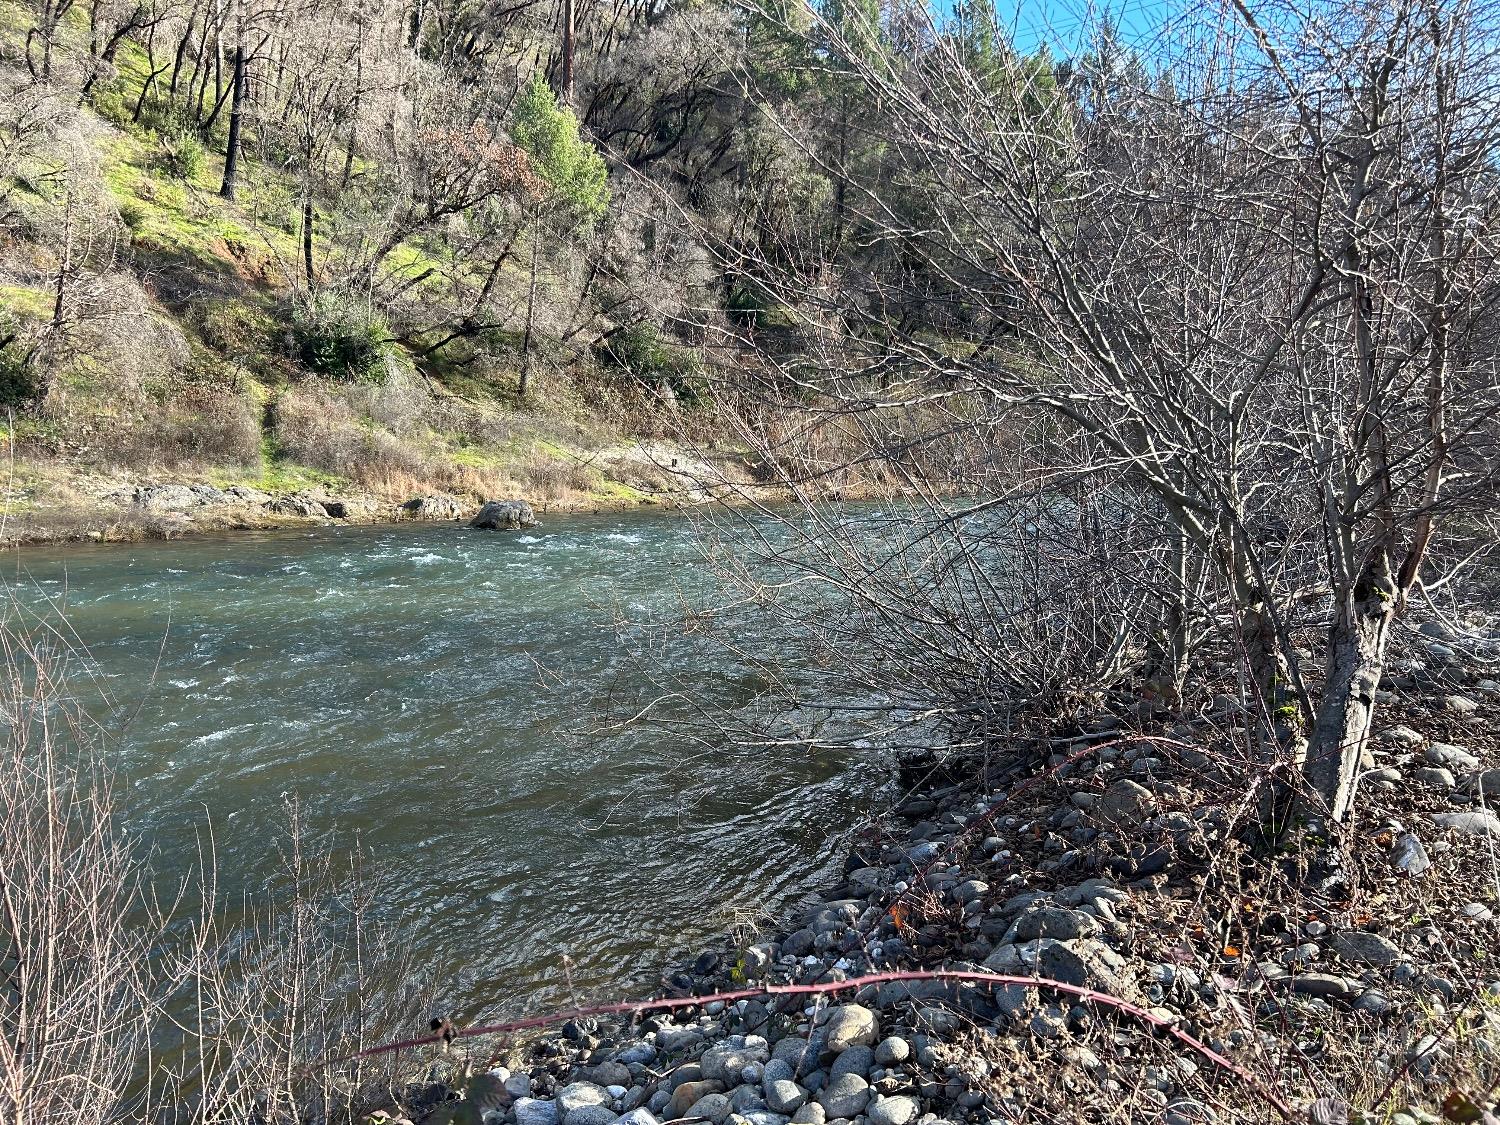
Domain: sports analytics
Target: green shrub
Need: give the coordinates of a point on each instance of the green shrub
(749, 306)
(20, 382)
(111, 103)
(277, 205)
(183, 155)
(340, 338)
(20, 379)
(744, 305)
(133, 215)
(166, 118)
(656, 362)
(575, 174)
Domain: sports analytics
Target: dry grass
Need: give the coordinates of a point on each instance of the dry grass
(396, 439)
(317, 426)
(201, 426)
(551, 478)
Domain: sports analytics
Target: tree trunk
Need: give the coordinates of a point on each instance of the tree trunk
(202, 71)
(1281, 732)
(181, 53)
(52, 16)
(566, 93)
(218, 52)
(1356, 657)
(155, 72)
(359, 90)
(236, 117)
(307, 236)
(841, 181)
(64, 269)
(536, 244)
(1172, 641)
(1270, 675)
(488, 289)
(414, 27)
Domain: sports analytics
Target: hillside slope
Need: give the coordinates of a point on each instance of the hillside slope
(153, 332)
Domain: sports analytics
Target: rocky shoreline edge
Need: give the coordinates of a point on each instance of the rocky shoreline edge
(1114, 864)
(163, 512)
(59, 507)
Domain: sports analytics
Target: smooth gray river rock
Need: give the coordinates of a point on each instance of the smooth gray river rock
(785, 1096)
(535, 1111)
(850, 1025)
(845, 1096)
(504, 515)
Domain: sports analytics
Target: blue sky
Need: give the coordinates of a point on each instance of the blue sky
(1060, 23)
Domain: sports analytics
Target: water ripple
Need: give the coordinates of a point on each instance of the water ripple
(428, 691)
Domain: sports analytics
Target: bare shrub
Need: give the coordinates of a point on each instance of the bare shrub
(197, 426)
(552, 478)
(398, 403)
(104, 349)
(643, 411)
(30, 115)
(110, 1008)
(920, 619)
(316, 426)
(471, 424)
(73, 968)
(281, 994)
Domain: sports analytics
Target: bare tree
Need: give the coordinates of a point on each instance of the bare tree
(1251, 283)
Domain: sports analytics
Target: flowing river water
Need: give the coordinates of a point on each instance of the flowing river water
(437, 695)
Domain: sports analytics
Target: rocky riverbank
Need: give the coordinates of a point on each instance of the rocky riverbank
(105, 509)
(1117, 862)
(171, 511)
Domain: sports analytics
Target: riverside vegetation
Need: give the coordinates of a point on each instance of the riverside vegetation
(1173, 364)
(259, 256)
(256, 258)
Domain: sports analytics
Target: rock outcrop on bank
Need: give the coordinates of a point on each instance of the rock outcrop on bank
(434, 507)
(1241, 981)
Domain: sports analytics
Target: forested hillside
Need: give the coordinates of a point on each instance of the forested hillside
(387, 249)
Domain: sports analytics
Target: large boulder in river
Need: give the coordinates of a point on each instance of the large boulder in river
(504, 515)
(432, 508)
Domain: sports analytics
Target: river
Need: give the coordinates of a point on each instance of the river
(441, 696)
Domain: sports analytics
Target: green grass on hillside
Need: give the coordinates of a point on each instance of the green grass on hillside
(26, 301)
